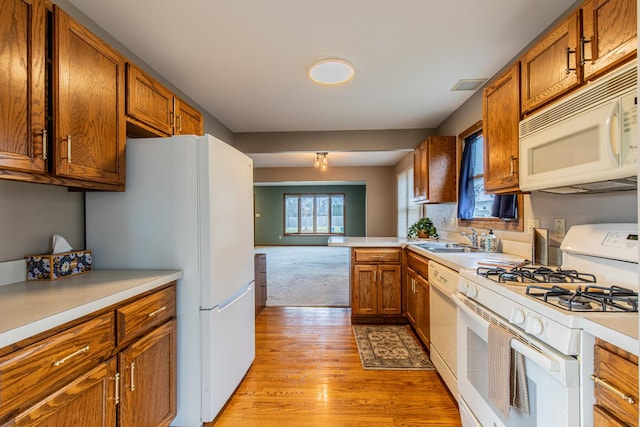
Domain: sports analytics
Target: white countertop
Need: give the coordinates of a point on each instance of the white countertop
(30, 307)
(621, 333)
(359, 242)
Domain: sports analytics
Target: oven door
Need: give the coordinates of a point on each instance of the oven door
(552, 378)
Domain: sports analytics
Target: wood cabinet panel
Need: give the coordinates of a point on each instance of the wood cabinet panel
(140, 316)
(501, 118)
(610, 32)
(188, 120)
(602, 418)
(435, 170)
(620, 370)
(545, 65)
(420, 173)
(148, 375)
(364, 292)
(149, 103)
(45, 364)
(417, 291)
(22, 92)
(260, 275)
(377, 255)
(389, 290)
(422, 309)
(89, 115)
(87, 401)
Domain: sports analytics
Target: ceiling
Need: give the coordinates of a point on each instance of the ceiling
(246, 61)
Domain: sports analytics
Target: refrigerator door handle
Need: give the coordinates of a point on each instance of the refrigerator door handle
(229, 301)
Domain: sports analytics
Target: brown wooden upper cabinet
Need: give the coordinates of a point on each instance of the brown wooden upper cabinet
(550, 67)
(153, 110)
(89, 125)
(501, 117)
(23, 142)
(596, 38)
(610, 34)
(434, 170)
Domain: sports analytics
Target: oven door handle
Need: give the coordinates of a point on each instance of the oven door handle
(564, 369)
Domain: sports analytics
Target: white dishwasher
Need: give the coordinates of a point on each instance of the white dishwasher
(442, 316)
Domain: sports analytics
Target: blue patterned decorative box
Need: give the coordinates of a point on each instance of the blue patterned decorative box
(57, 266)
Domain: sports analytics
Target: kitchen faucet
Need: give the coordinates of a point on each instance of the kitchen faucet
(473, 237)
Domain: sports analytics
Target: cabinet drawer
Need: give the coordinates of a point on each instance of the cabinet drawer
(622, 375)
(418, 263)
(146, 313)
(376, 255)
(44, 366)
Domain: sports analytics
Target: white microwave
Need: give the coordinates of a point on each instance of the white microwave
(587, 142)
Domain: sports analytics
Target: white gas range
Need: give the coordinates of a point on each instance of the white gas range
(546, 310)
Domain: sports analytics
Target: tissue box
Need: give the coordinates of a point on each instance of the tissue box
(56, 266)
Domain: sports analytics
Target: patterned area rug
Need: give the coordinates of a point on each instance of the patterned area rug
(390, 347)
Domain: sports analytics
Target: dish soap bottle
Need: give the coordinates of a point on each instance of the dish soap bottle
(491, 242)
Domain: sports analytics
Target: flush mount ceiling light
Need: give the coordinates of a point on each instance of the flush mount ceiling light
(468, 84)
(331, 71)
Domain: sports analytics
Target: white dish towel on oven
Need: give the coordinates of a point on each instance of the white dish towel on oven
(507, 376)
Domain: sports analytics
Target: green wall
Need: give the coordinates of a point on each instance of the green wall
(269, 229)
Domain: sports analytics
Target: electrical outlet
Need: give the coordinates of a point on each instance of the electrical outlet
(532, 223)
(559, 227)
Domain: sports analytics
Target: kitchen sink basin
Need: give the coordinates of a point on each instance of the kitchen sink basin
(446, 247)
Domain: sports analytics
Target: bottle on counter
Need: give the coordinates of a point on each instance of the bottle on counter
(491, 242)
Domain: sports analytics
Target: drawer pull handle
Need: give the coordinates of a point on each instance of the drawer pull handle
(74, 354)
(133, 383)
(44, 144)
(604, 383)
(69, 148)
(158, 311)
(117, 379)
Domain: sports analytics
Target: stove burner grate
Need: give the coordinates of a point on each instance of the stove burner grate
(532, 274)
(592, 298)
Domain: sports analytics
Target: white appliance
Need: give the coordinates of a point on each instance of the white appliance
(545, 309)
(442, 323)
(586, 142)
(188, 205)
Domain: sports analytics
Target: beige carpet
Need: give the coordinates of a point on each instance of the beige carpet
(307, 276)
(390, 347)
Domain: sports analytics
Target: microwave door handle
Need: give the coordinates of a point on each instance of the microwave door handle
(613, 125)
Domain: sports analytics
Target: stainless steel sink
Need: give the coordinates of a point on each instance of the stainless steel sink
(446, 247)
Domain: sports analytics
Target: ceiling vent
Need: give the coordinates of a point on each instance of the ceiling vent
(468, 84)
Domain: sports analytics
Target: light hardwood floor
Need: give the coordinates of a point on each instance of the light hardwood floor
(307, 372)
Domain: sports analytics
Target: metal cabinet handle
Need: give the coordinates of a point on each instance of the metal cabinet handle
(133, 383)
(604, 383)
(583, 41)
(158, 311)
(569, 52)
(513, 168)
(74, 354)
(179, 122)
(44, 144)
(117, 382)
(69, 148)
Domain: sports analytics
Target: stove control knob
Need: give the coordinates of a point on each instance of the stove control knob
(472, 291)
(517, 316)
(534, 326)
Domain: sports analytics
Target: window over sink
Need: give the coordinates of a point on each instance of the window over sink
(476, 208)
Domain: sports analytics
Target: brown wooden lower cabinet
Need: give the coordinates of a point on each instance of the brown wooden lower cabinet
(417, 295)
(83, 375)
(376, 285)
(618, 371)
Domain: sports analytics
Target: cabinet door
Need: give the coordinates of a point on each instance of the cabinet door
(188, 120)
(422, 309)
(442, 169)
(500, 121)
(389, 289)
(88, 97)
(411, 296)
(551, 66)
(149, 104)
(420, 172)
(22, 92)
(148, 379)
(602, 418)
(364, 298)
(88, 401)
(610, 33)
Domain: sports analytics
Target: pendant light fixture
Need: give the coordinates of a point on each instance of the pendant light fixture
(321, 162)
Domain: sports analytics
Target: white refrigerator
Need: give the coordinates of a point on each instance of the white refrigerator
(188, 205)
